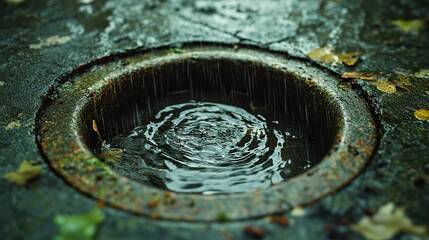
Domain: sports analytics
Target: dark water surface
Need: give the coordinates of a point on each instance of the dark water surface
(211, 148)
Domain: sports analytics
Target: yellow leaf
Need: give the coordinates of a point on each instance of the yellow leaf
(95, 128)
(298, 212)
(386, 223)
(13, 125)
(422, 73)
(385, 86)
(363, 76)
(25, 172)
(422, 114)
(327, 55)
(409, 25)
(403, 82)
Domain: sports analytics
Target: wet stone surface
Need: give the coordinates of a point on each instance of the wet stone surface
(41, 40)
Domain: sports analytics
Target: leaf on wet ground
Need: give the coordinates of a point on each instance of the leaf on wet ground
(50, 41)
(422, 73)
(25, 173)
(80, 226)
(406, 26)
(363, 76)
(422, 114)
(385, 86)
(254, 232)
(386, 223)
(403, 82)
(13, 125)
(326, 54)
(298, 212)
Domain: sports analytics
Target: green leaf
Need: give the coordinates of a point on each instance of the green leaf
(81, 226)
(25, 172)
(407, 26)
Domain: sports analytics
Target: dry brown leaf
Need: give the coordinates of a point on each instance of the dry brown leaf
(422, 114)
(386, 223)
(385, 86)
(25, 172)
(363, 76)
(327, 55)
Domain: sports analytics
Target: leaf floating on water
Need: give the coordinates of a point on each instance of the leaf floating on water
(422, 114)
(327, 55)
(422, 73)
(25, 172)
(385, 86)
(81, 226)
(363, 76)
(407, 26)
(386, 223)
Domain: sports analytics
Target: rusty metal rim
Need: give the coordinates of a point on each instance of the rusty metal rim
(60, 141)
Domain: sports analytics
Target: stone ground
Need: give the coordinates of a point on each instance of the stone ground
(41, 40)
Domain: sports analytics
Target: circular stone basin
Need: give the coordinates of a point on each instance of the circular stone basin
(205, 133)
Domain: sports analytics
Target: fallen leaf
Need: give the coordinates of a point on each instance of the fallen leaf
(385, 86)
(281, 220)
(25, 172)
(298, 212)
(422, 73)
(403, 82)
(363, 76)
(386, 223)
(254, 232)
(422, 114)
(327, 55)
(13, 125)
(154, 202)
(50, 41)
(407, 26)
(95, 128)
(1, 83)
(81, 226)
